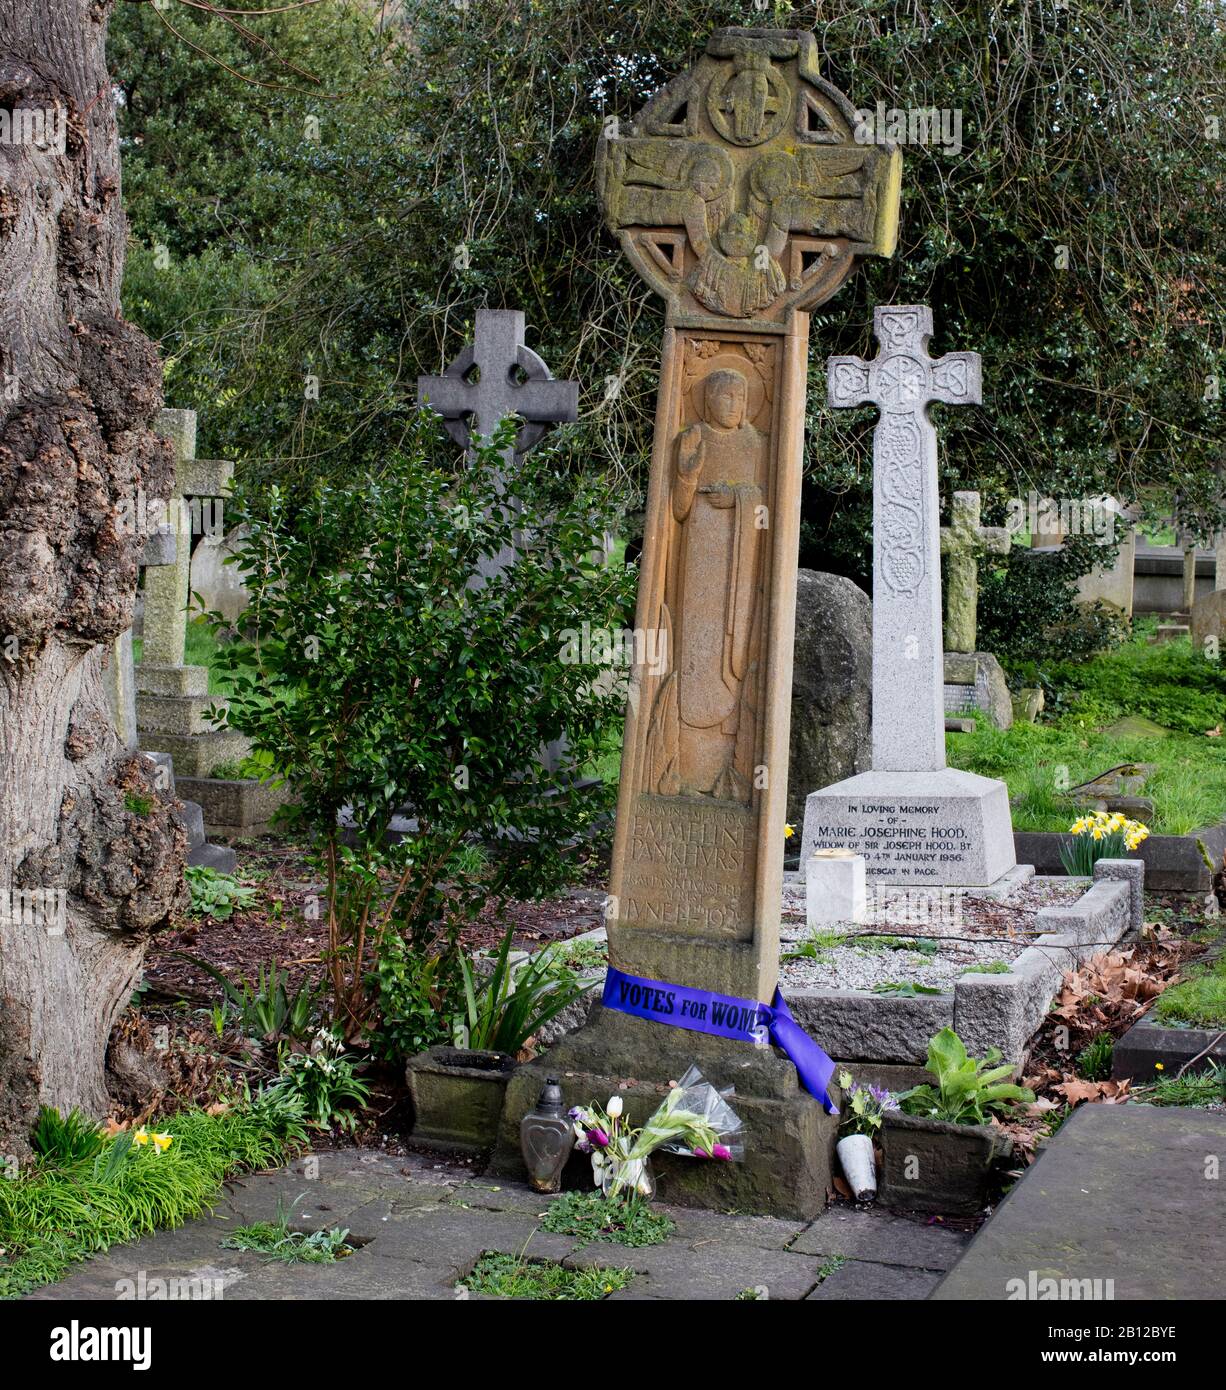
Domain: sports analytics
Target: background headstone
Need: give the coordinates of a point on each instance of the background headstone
(963, 543)
(832, 686)
(914, 819)
(217, 584)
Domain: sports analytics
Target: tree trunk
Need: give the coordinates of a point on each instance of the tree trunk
(91, 851)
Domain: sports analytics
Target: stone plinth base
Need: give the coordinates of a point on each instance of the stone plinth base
(945, 828)
(240, 807)
(788, 1138)
(196, 755)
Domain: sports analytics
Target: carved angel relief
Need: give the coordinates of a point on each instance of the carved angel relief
(753, 157)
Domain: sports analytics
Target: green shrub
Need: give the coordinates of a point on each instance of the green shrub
(65, 1139)
(375, 676)
(967, 1092)
(511, 1004)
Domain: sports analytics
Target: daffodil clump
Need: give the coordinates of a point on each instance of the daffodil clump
(1101, 835)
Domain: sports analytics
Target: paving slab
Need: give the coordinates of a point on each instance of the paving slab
(423, 1225)
(1126, 1195)
(863, 1280)
(884, 1239)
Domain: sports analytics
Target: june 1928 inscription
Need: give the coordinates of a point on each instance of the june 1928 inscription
(690, 867)
(909, 838)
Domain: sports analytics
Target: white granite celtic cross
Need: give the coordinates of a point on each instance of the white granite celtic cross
(496, 376)
(902, 381)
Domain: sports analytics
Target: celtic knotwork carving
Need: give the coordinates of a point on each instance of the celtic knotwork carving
(901, 462)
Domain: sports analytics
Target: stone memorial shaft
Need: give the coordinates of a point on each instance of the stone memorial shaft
(740, 195)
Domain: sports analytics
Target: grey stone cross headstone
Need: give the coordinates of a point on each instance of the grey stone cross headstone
(496, 376)
(963, 542)
(902, 381)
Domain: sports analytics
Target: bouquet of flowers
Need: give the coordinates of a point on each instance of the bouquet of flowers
(694, 1119)
(865, 1106)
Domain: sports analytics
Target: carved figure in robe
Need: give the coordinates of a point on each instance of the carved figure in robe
(701, 737)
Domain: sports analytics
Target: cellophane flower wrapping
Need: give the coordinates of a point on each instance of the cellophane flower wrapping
(713, 1127)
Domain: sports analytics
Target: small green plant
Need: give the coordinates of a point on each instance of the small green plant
(137, 805)
(281, 1244)
(994, 967)
(967, 1092)
(215, 894)
(266, 1008)
(1094, 1061)
(582, 954)
(816, 946)
(62, 1140)
(324, 1081)
(590, 1216)
(904, 989)
(864, 1106)
(512, 1276)
(506, 1007)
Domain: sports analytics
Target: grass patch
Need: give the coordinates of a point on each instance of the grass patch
(1168, 685)
(512, 1276)
(590, 1216)
(1094, 1061)
(282, 1245)
(56, 1213)
(923, 946)
(1199, 1001)
(815, 946)
(993, 967)
(1199, 1090)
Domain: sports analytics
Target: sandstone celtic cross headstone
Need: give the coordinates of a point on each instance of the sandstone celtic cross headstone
(913, 819)
(963, 543)
(740, 194)
(496, 376)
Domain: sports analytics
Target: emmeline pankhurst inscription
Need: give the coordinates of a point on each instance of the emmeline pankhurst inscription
(741, 196)
(914, 819)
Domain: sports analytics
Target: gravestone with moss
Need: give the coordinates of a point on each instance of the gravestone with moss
(739, 193)
(172, 697)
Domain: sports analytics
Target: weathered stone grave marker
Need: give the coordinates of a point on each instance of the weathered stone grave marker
(913, 819)
(974, 680)
(964, 542)
(740, 195)
(171, 696)
(493, 377)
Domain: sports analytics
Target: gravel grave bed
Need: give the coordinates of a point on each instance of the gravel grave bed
(922, 937)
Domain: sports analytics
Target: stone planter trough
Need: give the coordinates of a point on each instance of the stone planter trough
(457, 1097)
(929, 1165)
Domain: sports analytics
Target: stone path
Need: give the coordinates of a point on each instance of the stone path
(424, 1225)
(1127, 1193)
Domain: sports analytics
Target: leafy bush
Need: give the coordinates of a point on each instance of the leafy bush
(511, 1004)
(418, 994)
(215, 894)
(967, 1092)
(375, 676)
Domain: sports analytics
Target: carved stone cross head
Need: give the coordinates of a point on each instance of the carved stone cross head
(496, 376)
(902, 378)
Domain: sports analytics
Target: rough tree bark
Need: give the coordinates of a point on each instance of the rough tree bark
(79, 389)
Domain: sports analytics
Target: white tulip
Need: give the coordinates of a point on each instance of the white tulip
(614, 1107)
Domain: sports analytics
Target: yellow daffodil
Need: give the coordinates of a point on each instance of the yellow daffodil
(1159, 1067)
(1097, 832)
(161, 1142)
(141, 1136)
(1077, 826)
(789, 831)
